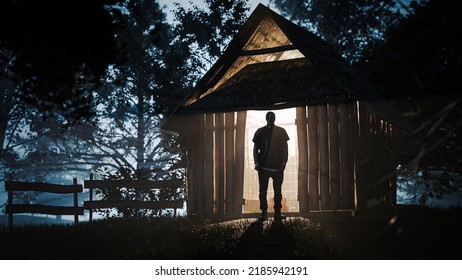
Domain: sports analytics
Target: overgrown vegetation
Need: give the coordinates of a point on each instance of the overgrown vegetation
(379, 233)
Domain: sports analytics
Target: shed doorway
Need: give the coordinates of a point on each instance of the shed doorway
(255, 119)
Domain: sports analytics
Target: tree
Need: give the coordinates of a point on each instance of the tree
(115, 129)
(351, 27)
(419, 69)
(204, 33)
(136, 93)
(51, 43)
(102, 111)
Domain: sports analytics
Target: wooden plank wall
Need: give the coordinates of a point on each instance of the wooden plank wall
(215, 163)
(376, 160)
(345, 157)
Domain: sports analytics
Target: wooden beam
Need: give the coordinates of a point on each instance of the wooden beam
(208, 165)
(324, 185)
(334, 153)
(41, 187)
(219, 163)
(200, 162)
(356, 146)
(136, 184)
(229, 161)
(302, 139)
(268, 50)
(346, 157)
(239, 161)
(313, 153)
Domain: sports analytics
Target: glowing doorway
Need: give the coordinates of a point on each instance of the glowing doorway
(284, 118)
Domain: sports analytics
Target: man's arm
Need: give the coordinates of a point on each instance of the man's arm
(255, 156)
(285, 155)
(285, 150)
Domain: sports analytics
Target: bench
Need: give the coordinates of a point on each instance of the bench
(13, 186)
(92, 204)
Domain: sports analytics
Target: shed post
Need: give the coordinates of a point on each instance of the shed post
(219, 163)
(229, 162)
(334, 151)
(346, 157)
(323, 158)
(239, 161)
(302, 159)
(208, 165)
(313, 153)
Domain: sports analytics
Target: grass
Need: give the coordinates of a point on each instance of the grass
(379, 233)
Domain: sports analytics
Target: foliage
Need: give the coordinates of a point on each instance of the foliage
(351, 27)
(203, 33)
(418, 69)
(126, 193)
(426, 184)
(49, 64)
(121, 93)
(412, 54)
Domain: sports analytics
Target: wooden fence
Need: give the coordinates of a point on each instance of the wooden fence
(13, 186)
(92, 204)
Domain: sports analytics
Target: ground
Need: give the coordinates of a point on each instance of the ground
(378, 233)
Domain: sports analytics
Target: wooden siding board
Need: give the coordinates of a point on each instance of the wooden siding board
(208, 165)
(219, 163)
(324, 158)
(346, 157)
(313, 154)
(302, 139)
(334, 152)
(239, 161)
(229, 162)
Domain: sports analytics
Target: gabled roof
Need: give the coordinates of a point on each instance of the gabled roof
(272, 63)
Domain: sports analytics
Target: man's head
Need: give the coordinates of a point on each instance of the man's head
(270, 118)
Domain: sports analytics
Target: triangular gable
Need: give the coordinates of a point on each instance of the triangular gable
(267, 37)
(259, 40)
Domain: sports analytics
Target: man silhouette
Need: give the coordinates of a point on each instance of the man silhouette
(270, 154)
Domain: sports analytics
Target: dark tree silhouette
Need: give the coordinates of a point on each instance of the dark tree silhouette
(419, 69)
(351, 27)
(59, 48)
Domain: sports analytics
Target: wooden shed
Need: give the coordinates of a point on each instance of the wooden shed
(345, 131)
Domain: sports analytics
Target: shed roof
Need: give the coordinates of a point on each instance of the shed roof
(272, 63)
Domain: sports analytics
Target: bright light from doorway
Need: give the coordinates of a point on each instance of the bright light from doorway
(284, 118)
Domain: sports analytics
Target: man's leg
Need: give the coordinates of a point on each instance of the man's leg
(263, 179)
(278, 177)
